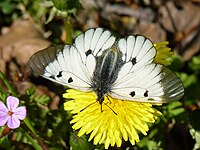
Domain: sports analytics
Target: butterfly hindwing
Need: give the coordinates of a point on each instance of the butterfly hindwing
(140, 79)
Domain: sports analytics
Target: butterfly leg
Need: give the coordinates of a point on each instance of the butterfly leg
(108, 107)
(87, 106)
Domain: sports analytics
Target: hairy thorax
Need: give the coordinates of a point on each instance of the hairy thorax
(105, 74)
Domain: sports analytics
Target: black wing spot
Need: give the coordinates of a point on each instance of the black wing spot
(133, 61)
(70, 80)
(146, 93)
(132, 93)
(88, 52)
(59, 74)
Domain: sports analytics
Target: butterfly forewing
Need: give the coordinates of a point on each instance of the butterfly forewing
(64, 65)
(94, 41)
(73, 66)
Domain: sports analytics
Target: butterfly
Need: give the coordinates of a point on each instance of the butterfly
(122, 68)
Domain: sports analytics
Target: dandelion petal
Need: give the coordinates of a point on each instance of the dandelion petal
(20, 113)
(13, 122)
(3, 108)
(3, 119)
(12, 102)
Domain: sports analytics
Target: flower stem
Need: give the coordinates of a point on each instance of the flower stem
(32, 140)
(11, 89)
(68, 30)
(3, 91)
(29, 125)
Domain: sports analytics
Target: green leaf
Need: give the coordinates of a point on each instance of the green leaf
(66, 5)
(43, 99)
(177, 111)
(3, 97)
(79, 143)
(29, 125)
(8, 85)
(174, 110)
(177, 62)
(7, 6)
(174, 105)
(33, 141)
(5, 142)
(194, 64)
(188, 80)
(146, 143)
(30, 91)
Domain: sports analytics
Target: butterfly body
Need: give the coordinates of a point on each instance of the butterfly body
(123, 69)
(106, 70)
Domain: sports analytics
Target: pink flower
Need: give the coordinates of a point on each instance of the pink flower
(12, 113)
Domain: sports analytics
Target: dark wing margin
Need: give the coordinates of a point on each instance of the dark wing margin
(172, 86)
(42, 58)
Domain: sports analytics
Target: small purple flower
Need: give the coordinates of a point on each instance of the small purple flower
(11, 114)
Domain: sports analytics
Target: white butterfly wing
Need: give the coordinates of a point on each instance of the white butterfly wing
(64, 65)
(73, 66)
(140, 79)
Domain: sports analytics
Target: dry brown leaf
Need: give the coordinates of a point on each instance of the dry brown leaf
(192, 48)
(54, 105)
(20, 42)
(27, 47)
(151, 30)
(139, 13)
(88, 17)
(182, 18)
(2, 65)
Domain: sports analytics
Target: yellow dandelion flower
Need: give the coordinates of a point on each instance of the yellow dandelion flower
(118, 120)
(163, 53)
